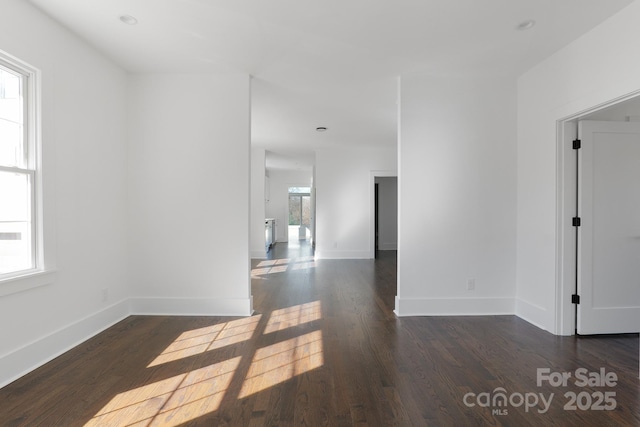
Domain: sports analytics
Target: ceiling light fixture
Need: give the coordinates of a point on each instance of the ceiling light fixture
(525, 25)
(128, 19)
(321, 128)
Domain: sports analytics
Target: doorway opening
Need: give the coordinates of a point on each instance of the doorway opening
(384, 228)
(385, 214)
(383, 234)
(299, 223)
(580, 212)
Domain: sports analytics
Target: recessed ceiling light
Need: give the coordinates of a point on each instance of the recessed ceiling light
(525, 25)
(321, 128)
(128, 19)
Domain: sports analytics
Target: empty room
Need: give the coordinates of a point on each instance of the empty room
(372, 213)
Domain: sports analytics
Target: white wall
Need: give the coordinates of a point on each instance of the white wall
(84, 184)
(457, 195)
(278, 205)
(387, 213)
(189, 193)
(344, 191)
(595, 69)
(258, 212)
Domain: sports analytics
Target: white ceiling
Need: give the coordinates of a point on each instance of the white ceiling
(330, 63)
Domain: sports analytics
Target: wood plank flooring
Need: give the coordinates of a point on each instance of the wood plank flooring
(324, 348)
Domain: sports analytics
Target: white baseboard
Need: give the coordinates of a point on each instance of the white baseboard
(454, 306)
(258, 255)
(192, 306)
(20, 362)
(472, 307)
(531, 313)
(324, 254)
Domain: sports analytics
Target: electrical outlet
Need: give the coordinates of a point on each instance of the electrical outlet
(105, 294)
(471, 284)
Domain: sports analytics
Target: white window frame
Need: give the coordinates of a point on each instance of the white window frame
(37, 275)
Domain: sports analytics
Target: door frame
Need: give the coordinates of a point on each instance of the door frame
(566, 196)
(372, 214)
(376, 219)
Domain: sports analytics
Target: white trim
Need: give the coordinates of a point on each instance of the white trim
(25, 281)
(531, 313)
(258, 255)
(399, 170)
(564, 321)
(454, 306)
(23, 360)
(192, 306)
(33, 145)
(19, 170)
(342, 254)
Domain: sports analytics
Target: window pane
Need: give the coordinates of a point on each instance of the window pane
(299, 190)
(15, 222)
(306, 210)
(11, 153)
(294, 210)
(11, 120)
(9, 85)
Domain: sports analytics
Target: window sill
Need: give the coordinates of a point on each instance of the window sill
(13, 285)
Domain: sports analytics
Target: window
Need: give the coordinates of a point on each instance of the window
(18, 171)
(300, 206)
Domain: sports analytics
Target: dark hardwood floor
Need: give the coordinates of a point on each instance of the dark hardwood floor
(324, 348)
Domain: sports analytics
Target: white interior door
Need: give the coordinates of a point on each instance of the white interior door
(609, 235)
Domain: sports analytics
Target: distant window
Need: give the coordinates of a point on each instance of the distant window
(18, 173)
(299, 190)
(300, 206)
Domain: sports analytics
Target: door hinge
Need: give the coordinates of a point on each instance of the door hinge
(576, 221)
(575, 299)
(577, 144)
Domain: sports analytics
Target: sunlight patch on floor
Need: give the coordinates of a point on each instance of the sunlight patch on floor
(172, 401)
(293, 316)
(209, 338)
(282, 265)
(280, 362)
(186, 397)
